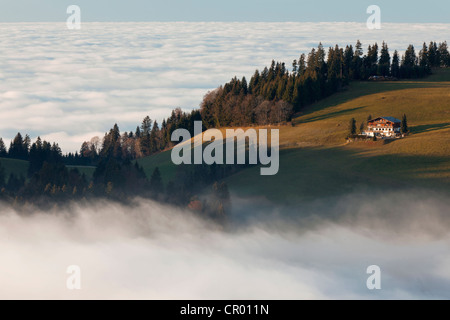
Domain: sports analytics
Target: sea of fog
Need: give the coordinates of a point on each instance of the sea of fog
(318, 250)
(71, 85)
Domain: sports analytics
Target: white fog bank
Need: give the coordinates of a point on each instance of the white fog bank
(150, 251)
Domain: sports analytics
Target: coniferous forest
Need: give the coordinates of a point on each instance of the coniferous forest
(271, 96)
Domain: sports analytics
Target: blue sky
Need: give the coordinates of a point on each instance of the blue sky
(230, 10)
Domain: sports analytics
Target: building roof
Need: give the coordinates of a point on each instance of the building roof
(392, 119)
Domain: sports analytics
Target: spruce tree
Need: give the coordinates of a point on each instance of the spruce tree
(357, 61)
(301, 65)
(16, 149)
(409, 63)
(404, 128)
(137, 134)
(410, 57)
(384, 65)
(395, 67)
(294, 67)
(352, 127)
(3, 151)
(146, 126)
(349, 56)
(2, 177)
(424, 60)
(444, 55)
(361, 127)
(372, 60)
(244, 86)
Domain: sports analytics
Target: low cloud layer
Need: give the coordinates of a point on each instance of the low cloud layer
(150, 251)
(66, 84)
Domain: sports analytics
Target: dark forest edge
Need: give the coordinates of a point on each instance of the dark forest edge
(272, 96)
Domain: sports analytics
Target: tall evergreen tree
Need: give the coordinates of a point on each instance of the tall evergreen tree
(424, 60)
(384, 65)
(410, 56)
(349, 56)
(372, 60)
(444, 55)
(145, 141)
(409, 62)
(294, 67)
(17, 148)
(137, 134)
(26, 144)
(2, 177)
(146, 126)
(358, 61)
(3, 151)
(352, 127)
(395, 67)
(361, 127)
(404, 127)
(301, 65)
(432, 55)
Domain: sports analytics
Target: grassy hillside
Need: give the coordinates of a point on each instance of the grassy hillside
(18, 167)
(163, 162)
(320, 162)
(316, 160)
(425, 103)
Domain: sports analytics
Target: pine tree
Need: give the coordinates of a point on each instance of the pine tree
(435, 55)
(265, 74)
(372, 60)
(405, 128)
(349, 56)
(357, 61)
(410, 57)
(253, 86)
(155, 143)
(409, 62)
(395, 67)
(444, 55)
(244, 86)
(117, 151)
(358, 49)
(432, 54)
(146, 126)
(145, 141)
(115, 133)
(16, 149)
(3, 151)
(138, 132)
(301, 65)
(424, 61)
(26, 144)
(294, 67)
(2, 177)
(352, 127)
(384, 65)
